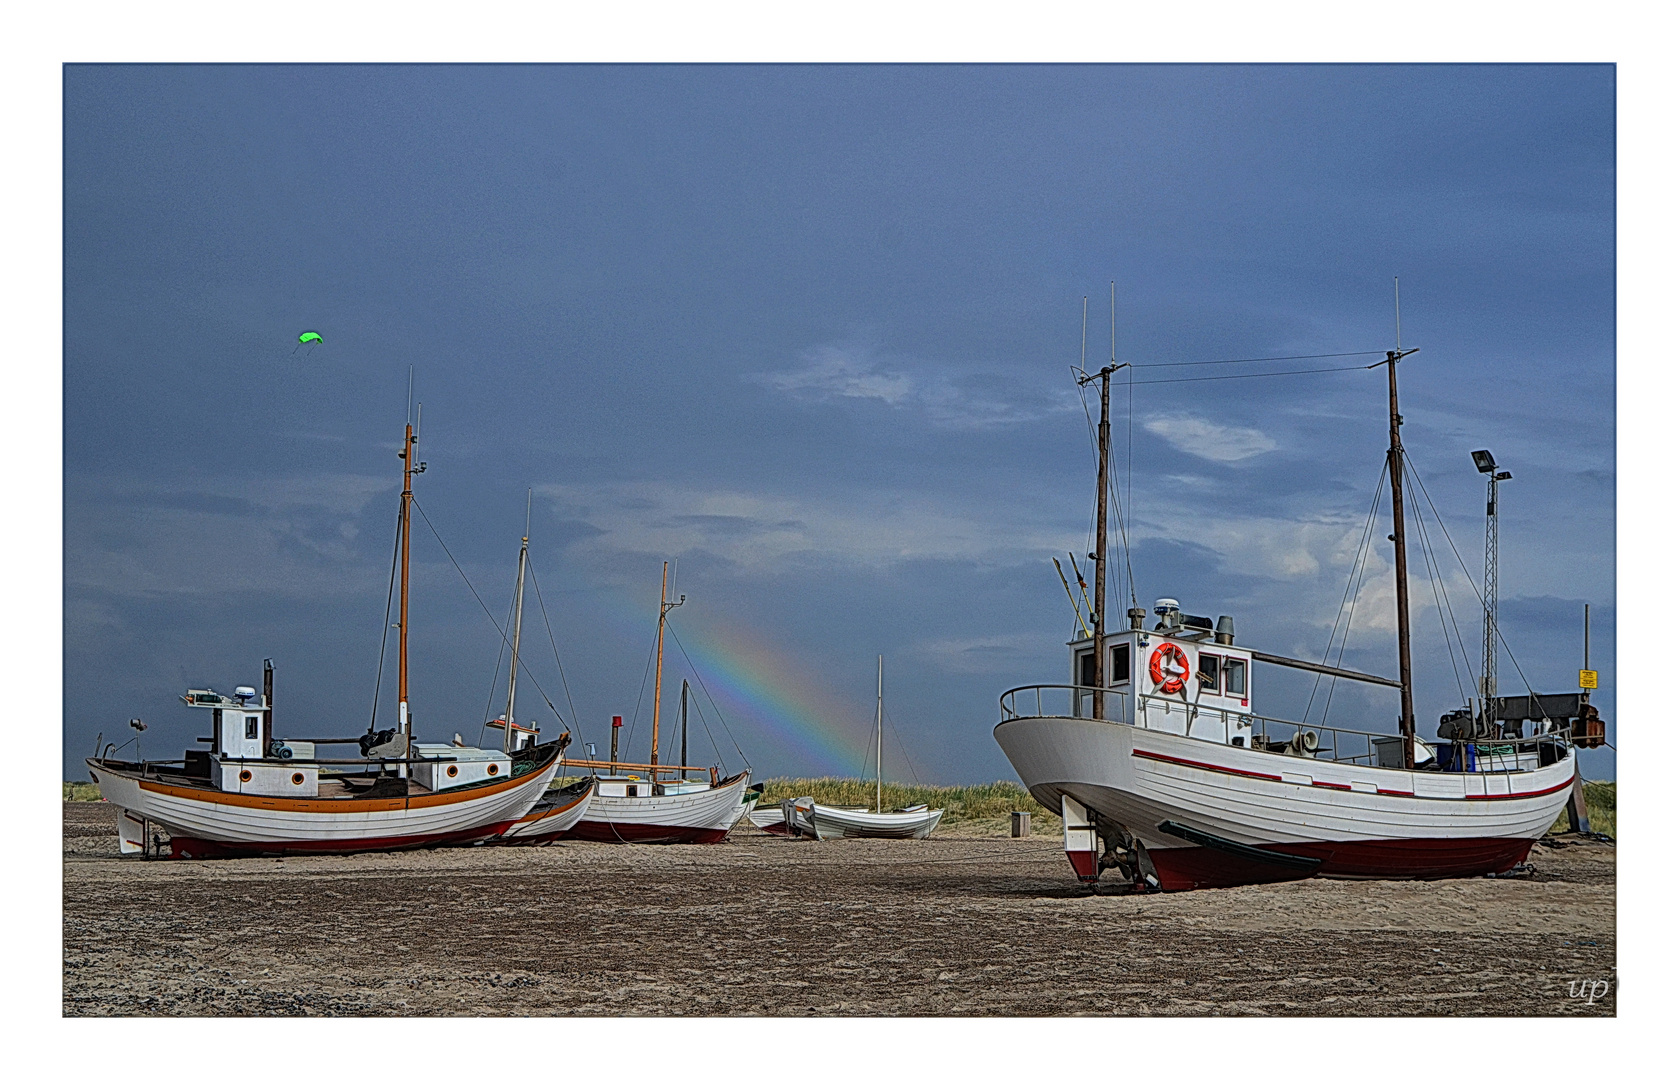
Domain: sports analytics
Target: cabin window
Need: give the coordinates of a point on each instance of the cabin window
(1208, 673)
(1121, 663)
(1087, 669)
(250, 726)
(1236, 678)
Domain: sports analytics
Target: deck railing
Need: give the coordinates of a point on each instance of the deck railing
(1347, 745)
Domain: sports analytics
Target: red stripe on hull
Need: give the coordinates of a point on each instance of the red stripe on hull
(1203, 868)
(779, 828)
(193, 847)
(608, 833)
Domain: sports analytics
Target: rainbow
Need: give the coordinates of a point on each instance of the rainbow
(781, 719)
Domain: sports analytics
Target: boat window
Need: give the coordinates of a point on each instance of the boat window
(1236, 678)
(1121, 663)
(250, 726)
(1208, 673)
(1087, 669)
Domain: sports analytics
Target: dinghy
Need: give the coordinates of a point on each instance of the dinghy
(852, 822)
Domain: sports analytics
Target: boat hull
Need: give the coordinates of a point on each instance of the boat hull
(204, 822)
(1355, 821)
(771, 821)
(557, 812)
(695, 817)
(835, 823)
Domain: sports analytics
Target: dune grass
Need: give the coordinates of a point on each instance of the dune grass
(971, 805)
(80, 791)
(1600, 807)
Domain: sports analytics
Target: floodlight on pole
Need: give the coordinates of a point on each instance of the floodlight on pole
(1489, 599)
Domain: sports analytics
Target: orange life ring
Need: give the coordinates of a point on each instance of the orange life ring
(1165, 678)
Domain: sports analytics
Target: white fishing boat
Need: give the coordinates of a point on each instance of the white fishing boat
(253, 794)
(853, 822)
(1152, 752)
(664, 805)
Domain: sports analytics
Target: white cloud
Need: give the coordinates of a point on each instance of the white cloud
(1213, 442)
(977, 400)
(763, 530)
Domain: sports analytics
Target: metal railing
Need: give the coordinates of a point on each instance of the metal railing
(1350, 746)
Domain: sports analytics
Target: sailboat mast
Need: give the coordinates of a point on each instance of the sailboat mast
(879, 688)
(1402, 596)
(409, 444)
(659, 665)
(518, 621)
(684, 775)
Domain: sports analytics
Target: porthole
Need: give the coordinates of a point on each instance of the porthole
(493, 770)
(452, 771)
(297, 778)
(244, 776)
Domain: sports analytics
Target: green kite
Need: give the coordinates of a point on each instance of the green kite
(304, 339)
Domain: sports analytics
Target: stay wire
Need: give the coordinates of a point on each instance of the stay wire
(1446, 533)
(495, 679)
(564, 685)
(1263, 359)
(1255, 375)
(385, 637)
(1437, 586)
(522, 666)
(902, 749)
(1352, 574)
(707, 691)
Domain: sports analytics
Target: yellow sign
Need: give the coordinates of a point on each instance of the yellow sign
(1588, 679)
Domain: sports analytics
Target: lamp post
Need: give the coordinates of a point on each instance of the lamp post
(1489, 600)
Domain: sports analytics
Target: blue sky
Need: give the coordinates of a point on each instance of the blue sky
(806, 330)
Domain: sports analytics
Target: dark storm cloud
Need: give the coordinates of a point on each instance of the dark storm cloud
(808, 330)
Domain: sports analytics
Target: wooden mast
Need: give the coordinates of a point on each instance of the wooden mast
(1402, 595)
(409, 442)
(1099, 608)
(518, 620)
(659, 667)
(684, 727)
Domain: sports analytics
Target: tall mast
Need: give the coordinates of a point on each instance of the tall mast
(1099, 607)
(879, 685)
(684, 775)
(409, 444)
(659, 666)
(518, 620)
(1402, 597)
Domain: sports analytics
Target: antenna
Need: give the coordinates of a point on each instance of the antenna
(527, 513)
(1084, 331)
(408, 418)
(1397, 347)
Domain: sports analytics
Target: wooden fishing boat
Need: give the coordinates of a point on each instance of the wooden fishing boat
(1160, 767)
(854, 822)
(663, 806)
(253, 794)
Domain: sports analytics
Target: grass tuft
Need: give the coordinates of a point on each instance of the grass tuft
(1600, 807)
(80, 791)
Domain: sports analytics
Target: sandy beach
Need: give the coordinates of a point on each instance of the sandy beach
(960, 925)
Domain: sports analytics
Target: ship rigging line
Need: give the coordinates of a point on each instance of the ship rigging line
(495, 679)
(1263, 359)
(1113, 481)
(1354, 574)
(1437, 582)
(707, 691)
(1507, 650)
(902, 749)
(384, 638)
(1254, 375)
(545, 698)
(564, 685)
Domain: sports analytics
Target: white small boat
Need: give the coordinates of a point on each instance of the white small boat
(844, 822)
(771, 820)
(811, 818)
(553, 815)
